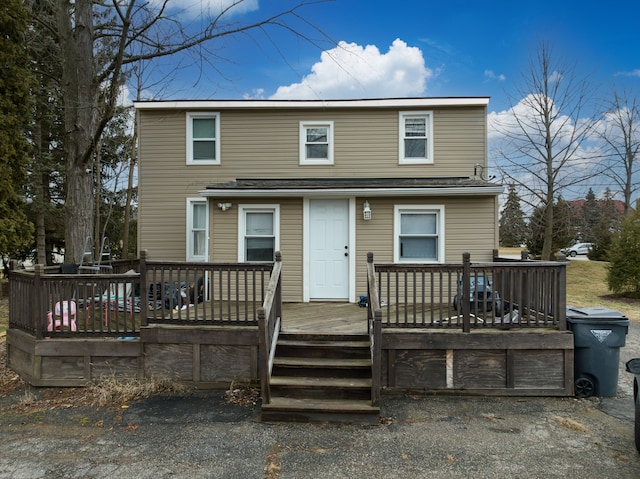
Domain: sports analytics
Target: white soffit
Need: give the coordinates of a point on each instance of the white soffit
(275, 104)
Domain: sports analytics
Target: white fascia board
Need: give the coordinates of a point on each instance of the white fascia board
(261, 104)
(378, 192)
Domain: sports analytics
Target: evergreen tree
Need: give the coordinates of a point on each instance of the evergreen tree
(609, 221)
(589, 218)
(513, 228)
(563, 229)
(45, 186)
(15, 80)
(624, 255)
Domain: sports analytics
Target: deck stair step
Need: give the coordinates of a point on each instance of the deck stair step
(321, 377)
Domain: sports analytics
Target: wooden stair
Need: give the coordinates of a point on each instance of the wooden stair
(321, 378)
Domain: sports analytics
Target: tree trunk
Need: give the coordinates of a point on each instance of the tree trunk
(547, 245)
(80, 105)
(78, 209)
(127, 206)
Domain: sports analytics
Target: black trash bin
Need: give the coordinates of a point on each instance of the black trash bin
(598, 335)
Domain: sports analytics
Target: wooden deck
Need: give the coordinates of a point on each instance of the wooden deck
(324, 317)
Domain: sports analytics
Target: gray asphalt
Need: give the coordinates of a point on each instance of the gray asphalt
(200, 435)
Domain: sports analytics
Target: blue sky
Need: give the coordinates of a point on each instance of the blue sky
(416, 48)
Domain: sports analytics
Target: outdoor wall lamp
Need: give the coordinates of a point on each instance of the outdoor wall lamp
(224, 206)
(366, 211)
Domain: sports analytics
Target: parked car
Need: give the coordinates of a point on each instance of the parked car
(482, 296)
(578, 248)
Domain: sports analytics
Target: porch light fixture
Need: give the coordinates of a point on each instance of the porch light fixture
(224, 206)
(366, 211)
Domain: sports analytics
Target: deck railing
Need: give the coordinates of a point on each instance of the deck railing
(498, 294)
(203, 293)
(47, 303)
(269, 321)
(374, 321)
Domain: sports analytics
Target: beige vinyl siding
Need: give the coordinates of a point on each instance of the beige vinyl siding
(264, 144)
(224, 239)
(469, 227)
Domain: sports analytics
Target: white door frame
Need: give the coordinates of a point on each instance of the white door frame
(306, 247)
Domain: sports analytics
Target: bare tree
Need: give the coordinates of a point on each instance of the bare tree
(544, 135)
(621, 132)
(100, 41)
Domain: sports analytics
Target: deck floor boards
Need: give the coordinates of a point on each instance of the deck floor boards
(324, 317)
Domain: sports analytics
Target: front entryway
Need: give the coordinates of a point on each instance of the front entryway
(329, 249)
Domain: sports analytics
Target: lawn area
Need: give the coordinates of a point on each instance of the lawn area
(587, 286)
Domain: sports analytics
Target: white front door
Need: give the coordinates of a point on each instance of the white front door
(329, 249)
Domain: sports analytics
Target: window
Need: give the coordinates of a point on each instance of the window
(258, 229)
(197, 229)
(316, 143)
(416, 137)
(203, 138)
(419, 234)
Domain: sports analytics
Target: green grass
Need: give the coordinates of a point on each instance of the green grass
(587, 286)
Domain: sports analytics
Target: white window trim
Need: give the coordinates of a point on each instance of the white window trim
(252, 208)
(401, 130)
(303, 143)
(397, 211)
(209, 114)
(189, 242)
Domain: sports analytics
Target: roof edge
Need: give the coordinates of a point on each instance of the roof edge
(348, 192)
(423, 102)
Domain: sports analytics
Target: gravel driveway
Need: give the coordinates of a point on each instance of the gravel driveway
(200, 435)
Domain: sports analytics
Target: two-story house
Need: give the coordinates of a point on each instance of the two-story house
(324, 182)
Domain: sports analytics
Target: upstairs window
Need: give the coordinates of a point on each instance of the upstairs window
(203, 138)
(419, 234)
(316, 143)
(416, 137)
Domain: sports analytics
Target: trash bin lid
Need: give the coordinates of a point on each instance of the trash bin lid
(594, 312)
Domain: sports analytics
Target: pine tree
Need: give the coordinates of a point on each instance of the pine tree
(589, 218)
(609, 221)
(563, 229)
(15, 78)
(513, 228)
(624, 255)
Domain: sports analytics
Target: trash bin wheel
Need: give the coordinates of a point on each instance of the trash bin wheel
(584, 387)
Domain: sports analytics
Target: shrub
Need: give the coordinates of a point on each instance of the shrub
(623, 276)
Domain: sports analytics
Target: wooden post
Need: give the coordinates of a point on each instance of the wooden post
(465, 301)
(263, 354)
(374, 325)
(40, 320)
(561, 302)
(278, 298)
(144, 291)
(376, 369)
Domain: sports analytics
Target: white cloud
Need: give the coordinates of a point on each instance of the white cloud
(353, 71)
(490, 74)
(256, 94)
(516, 139)
(632, 73)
